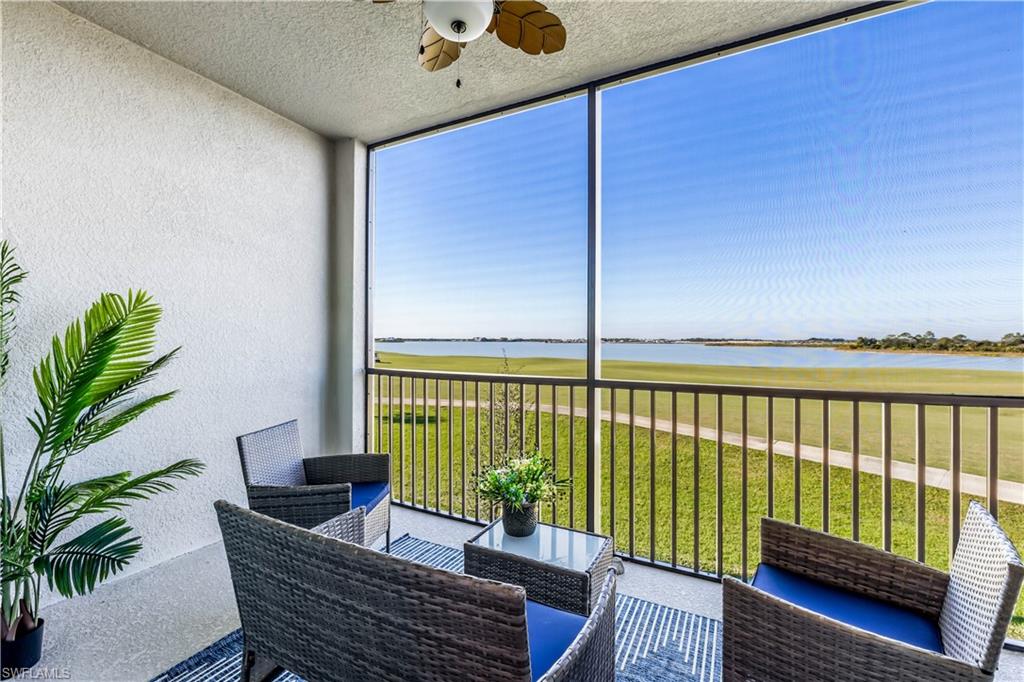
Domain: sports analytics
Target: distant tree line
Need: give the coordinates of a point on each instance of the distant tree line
(1012, 343)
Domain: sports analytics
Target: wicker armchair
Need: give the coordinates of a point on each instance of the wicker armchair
(826, 608)
(326, 610)
(306, 491)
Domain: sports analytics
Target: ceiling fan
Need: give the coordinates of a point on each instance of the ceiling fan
(450, 24)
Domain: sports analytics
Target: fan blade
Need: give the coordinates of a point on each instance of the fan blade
(528, 26)
(436, 53)
(494, 17)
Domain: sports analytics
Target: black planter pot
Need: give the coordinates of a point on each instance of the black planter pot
(23, 653)
(519, 523)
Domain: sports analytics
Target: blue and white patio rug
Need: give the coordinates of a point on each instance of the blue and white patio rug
(653, 642)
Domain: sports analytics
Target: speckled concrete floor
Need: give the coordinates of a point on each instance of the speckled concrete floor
(137, 627)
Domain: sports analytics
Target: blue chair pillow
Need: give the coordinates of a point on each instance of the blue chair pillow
(872, 615)
(550, 631)
(369, 495)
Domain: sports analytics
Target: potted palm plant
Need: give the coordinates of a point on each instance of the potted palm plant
(87, 387)
(519, 486)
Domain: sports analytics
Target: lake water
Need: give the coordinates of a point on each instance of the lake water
(701, 354)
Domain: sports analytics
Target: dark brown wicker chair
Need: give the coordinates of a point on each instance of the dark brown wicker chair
(328, 610)
(826, 608)
(306, 491)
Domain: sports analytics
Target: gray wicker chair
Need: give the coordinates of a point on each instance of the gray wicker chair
(326, 609)
(306, 491)
(826, 608)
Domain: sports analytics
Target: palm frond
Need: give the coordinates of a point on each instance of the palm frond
(95, 425)
(96, 430)
(15, 558)
(13, 566)
(56, 505)
(52, 505)
(78, 565)
(94, 485)
(114, 399)
(117, 491)
(137, 337)
(96, 357)
(11, 274)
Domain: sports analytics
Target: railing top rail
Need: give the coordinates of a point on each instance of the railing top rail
(483, 378)
(942, 399)
(939, 399)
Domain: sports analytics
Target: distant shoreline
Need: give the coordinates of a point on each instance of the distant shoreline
(839, 345)
(927, 351)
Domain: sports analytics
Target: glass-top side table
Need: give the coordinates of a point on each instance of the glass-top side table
(557, 566)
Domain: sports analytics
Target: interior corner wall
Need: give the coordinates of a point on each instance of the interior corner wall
(348, 352)
(123, 170)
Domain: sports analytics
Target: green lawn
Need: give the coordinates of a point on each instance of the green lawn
(937, 447)
(462, 463)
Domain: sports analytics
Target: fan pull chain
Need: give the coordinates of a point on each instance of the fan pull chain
(458, 64)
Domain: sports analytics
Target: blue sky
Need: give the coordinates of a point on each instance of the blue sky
(859, 181)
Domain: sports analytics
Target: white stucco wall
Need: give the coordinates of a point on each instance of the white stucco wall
(122, 169)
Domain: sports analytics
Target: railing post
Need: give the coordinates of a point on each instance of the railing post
(887, 476)
(593, 309)
(954, 488)
(920, 438)
(993, 461)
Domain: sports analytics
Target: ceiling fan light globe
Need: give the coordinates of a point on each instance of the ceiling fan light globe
(473, 15)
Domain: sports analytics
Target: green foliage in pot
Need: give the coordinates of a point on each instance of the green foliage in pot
(87, 388)
(526, 480)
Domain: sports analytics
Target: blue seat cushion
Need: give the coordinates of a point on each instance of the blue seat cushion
(872, 615)
(369, 495)
(550, 632)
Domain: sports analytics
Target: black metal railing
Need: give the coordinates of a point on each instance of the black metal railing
(688, 469)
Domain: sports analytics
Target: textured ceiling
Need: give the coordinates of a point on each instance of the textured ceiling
(348, 69)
